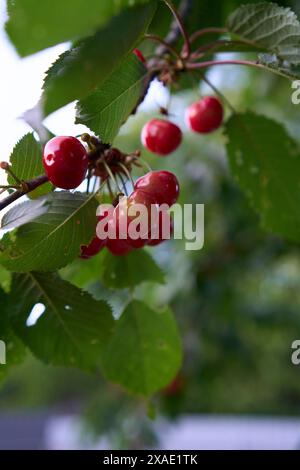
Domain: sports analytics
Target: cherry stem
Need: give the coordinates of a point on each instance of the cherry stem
(156, 38)
(123, 184)
(207, 47)
(111, 194)
(7, 168)
(88, 181)
(203, 65)
(187, 44)
(109, 172)
(219, 93)
(144, 163)
(126, 172)
(94, 184)
(204, 31)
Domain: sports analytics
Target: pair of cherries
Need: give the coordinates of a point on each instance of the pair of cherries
(163, 137)
(152, 190)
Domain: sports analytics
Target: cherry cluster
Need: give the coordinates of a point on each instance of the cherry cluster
(153, 190)
(67, 161)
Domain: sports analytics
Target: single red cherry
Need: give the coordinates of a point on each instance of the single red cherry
(65, 161)
(175, 387)
(139, 55)
(161, 136)
(92, 249)
(163, 231)
(162, 186)
(206, 115)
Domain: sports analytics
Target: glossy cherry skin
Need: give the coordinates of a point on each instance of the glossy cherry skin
(96, 245)
(159, 235)
(139, 55)
(162, 186)
(206, 115)
(93, 248)
(118, 247)
(65, 161)
(123, 211)
(161, 137)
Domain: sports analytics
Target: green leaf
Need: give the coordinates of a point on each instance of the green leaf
(83, 273)
(89, 63)
(53, 239)
(106, 109)
(266, 164)
(270, 26)
(33, 25)
(271, 63)
(5, 279)
(26, 162)
(24, 213)
(11, 346)
(120, 272)
(74, 327)
(115, 272)
(144, 353)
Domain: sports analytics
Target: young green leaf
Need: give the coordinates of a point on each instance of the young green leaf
(72, 328)
(144, 353)
(89, 63)
(109, 106)
(33, 25)
(270, 26)
(26, 162)
(266, 164)
(53, 239)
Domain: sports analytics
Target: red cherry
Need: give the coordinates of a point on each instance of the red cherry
(139, 55)
(159, 235)
(118, 247)
(122, 212)
(161, 136)
(65, 161)
(92, 249)
(96, 245)
(175, 387)
(162, 186)
(206, 115)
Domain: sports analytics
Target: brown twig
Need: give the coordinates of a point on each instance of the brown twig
(169, 41)
(27, 187)
(177, 27)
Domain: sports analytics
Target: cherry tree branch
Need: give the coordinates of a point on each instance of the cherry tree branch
(178, 25)
(27, 187)
(168, 42)
(176, 30)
